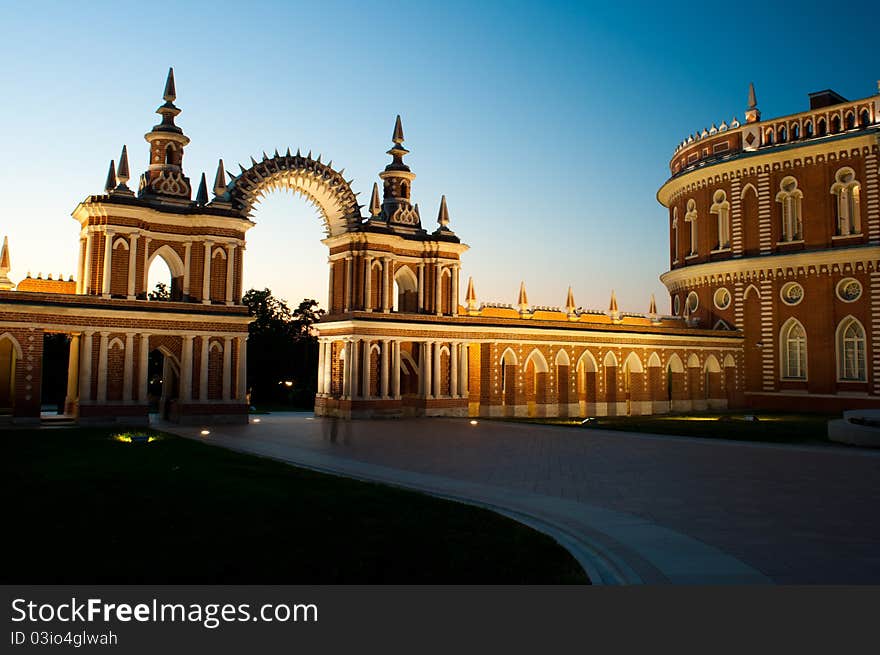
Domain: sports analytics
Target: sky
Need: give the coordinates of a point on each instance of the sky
(548, 125)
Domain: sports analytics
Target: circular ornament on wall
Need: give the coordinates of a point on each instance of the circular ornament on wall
(721, 298)
(693, 301)
(849, 289)
(676, 305)
(791, 293)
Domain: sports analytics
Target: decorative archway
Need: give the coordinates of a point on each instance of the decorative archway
(319, 183)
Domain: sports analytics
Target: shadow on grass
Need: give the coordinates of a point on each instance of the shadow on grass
(81, 507)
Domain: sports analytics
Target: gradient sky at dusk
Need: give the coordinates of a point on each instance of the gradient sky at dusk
(549, 126)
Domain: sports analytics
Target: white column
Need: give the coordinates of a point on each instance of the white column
(330, 288)
(72, 372)
(241, 375)
(227, 368)
(346, 371)
(144, 369)
(230, 271)
(128, 368)
(463, 371)
(203, 368)
(355, 369)
(85, 367)
(421, 287)
(147, 288)
(108, 262)
(132, 265)
(102, 368)
(383, 389)
(328, 369)
(429, 371)
(454, 302)
(368, 283)
(186, 369)
(80, 265)
(85, 285)
(395, 370)
(438, 289)
(349, 275)
(187, 266)
(368, 361)
(437, 361)
(387, 286)
(453, 369)
(322, 350)
(424, 354)
(206, 276)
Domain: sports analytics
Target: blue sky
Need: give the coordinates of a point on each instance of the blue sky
(549, 126)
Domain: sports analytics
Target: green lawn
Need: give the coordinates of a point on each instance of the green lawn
(83, 508)
(770, 427)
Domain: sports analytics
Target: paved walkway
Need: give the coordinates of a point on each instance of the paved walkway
(632, 508)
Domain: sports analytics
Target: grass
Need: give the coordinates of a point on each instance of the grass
(84, 508)
(770, 427)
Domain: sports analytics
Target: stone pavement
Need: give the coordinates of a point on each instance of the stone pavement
(632, 508)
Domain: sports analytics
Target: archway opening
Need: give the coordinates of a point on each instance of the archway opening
(53, 387)
(162, 284)
(8, 360)
(163, 375)
(406, 294)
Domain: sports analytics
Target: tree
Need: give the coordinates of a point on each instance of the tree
(282, 351)
(161, 292)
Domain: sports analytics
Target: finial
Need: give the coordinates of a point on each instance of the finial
(202, 193)
(397, 137)
(375, 205)
(569, 304)
(170, 94)
(753, 114)
(522, 300)
(122, 174)
(5, 283)
(652, 309)
(220, 180)
(753, 101)
(612, 309)
(110, 184)
(443, 216)
(473, 308)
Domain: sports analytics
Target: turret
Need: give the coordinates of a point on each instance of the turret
(397, 178)
(164, 177)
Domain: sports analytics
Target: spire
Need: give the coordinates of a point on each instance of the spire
(397, 137)
(122, 174)
(220, 180)
(522, 302)
(375, 205)
(170, 94)
(612, 309)
(570, 307)
(110, 184)
(397, 179)
(652, 309)
(202, 193)
(753, 114)
(443, 216)
(397, 151)
(471, 299)
(5, 283)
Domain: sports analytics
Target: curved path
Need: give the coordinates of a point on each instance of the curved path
(632, 508)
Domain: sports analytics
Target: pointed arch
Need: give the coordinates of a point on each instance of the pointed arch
(610, 359)
(748, 187)
(587, 362)
(729, 361)
(539, 361)
(633, 364)
(562, 358)
(693, 361)
(654, 360)
(751, 289)
(170, 257)
(219, 252)
(215, 345)
(793, 350)
(850, 340)
(115, 342)
(120, 241)
(508, 358)
(712, 365)
(674, 364)
(16, 347)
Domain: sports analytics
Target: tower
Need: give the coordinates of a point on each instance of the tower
(397, 210)
(164, 177)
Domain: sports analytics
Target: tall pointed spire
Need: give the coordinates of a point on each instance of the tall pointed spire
(165, 175)
(473, 309)
(397, 137)
(220, 180)
(110, 184)
(570, 307)
(753, 114)
(202, 193)
(522, 301)
(122, 174)
(170, 94)
(612, 308)
(5, 283)
(443, 215)
(397, 185)
(652, 309)
(375, 205)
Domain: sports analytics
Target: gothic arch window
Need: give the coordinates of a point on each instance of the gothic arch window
(691, 218)
(864, 118)
(793, 350)
(721, 208)
(822, 127)
(835, 124)
(848, 192)
(169, 154)
(790, 199)
(795, 131)
(850, 120)
(768, 137)
(403, 190)
(808, 129)
(852, 363)
(783, 135)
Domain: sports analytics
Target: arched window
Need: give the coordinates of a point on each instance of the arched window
(823, 127)
(835, 124)
(795, 131)
(406, 291)
(783, 135)
(848, 192)
(691, 217)
(768, 137)
(674, 234)
(721, 208)
(790, 199)
(169, 154)
(850, 120)
(793, 350)
(403, 190)
(851, 361)
(864, 118)
(808, 129)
